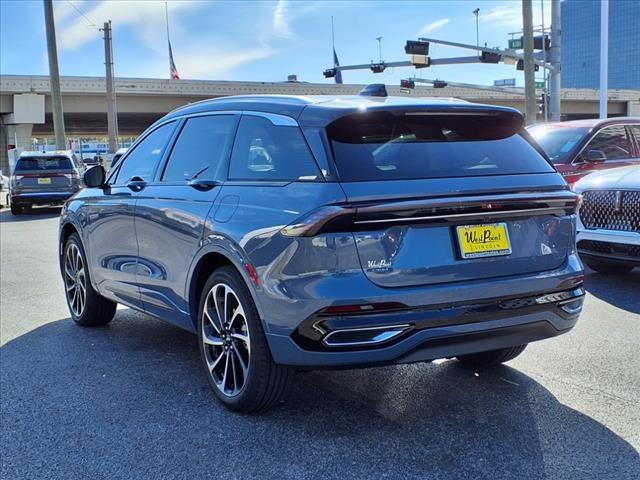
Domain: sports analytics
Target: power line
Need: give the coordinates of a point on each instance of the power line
(83, 15)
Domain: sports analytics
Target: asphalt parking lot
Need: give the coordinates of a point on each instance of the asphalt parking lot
(130, 400)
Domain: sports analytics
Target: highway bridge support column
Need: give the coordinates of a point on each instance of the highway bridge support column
(18, 135)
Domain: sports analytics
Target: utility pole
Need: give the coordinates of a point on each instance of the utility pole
(112, 115)
(54, 76)
(554, 59)
(531, 109)
(604, 56)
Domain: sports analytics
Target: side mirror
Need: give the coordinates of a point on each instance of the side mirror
(94, 177)
(596, 156)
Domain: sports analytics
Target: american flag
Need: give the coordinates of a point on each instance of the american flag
(173, 71)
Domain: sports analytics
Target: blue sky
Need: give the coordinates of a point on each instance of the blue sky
(255, 40)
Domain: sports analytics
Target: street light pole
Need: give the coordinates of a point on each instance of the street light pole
(604, 56)
(476, 12)
(379, 39)
(529, 72)
(54, 76)
(554, 60)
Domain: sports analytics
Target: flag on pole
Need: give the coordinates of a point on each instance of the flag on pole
(173, 71)
(338, 76)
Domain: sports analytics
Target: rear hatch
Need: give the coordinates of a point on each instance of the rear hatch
(44, 174)
(437, 197)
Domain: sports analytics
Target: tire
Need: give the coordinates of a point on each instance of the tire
(87, 307)
(235, 354)
(492, 357)
(16, 210)
(602, 266)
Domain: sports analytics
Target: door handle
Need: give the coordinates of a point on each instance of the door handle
(203, 184)
(136, 184)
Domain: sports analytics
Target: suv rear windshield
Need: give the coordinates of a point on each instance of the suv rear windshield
(43, 163)
(405, 146)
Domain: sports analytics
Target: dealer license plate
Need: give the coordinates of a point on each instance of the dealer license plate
(486, 240)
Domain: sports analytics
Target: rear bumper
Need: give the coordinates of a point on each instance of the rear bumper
(435, 332)
(40, 198)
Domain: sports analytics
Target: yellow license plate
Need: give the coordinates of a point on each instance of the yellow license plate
(44, 181)
(483, 240)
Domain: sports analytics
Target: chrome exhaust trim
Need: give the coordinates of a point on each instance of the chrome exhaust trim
(377, 335)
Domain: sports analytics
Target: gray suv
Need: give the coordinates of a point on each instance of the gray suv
(43, 178)
(329, 232)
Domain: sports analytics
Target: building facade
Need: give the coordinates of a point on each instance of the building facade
(581, 44)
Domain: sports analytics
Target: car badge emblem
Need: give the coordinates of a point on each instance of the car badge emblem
(617, 206)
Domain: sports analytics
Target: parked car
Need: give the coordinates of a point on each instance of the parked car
(303, 232)
(44, 178)
(117, 156)
(609, 219)
(580, 147)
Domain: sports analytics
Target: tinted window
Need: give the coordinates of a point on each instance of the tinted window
(203, 143)
(144, 158)
(263, 151)
(43, 163)
(385, 146)
(612, 142)
(558, 143)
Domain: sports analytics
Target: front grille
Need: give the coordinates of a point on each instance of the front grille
(609, 248)
(611, 210)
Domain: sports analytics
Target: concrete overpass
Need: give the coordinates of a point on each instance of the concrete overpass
(25, 102)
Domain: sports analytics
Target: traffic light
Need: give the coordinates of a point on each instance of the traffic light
(407, 84)
(378, 67)
(329, 73)
(490, 57)
(537, 42)
(439, 84)
(416, 47)
(541, 103)
(520, 66)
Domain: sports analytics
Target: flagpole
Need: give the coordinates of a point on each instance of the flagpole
(333, 40)
(166, 15)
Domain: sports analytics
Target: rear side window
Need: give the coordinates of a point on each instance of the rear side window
(263, 151)
(43, 163)
(143, 160)
(612, 142)
(202, 145)
(405, 146)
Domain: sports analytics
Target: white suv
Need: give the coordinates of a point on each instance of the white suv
(609, 224)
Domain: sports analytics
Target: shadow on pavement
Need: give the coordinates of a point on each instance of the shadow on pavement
(130, 401)
(37, 213)
(621, 290)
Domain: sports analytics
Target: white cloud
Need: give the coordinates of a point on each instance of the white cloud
(147, 16)
(207, 65)
(281, 25)
(430, 27)
(509, 15)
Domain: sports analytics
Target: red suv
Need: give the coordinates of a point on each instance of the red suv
(579, 147)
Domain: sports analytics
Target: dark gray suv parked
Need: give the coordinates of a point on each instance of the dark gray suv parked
(310, 232)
